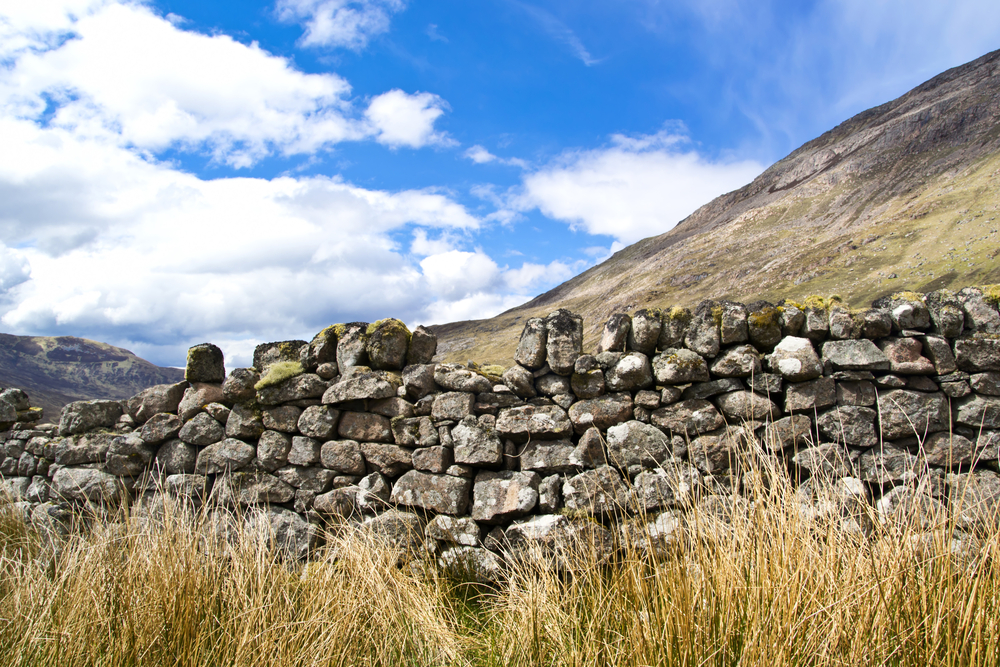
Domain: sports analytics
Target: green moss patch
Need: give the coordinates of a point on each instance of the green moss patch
(278, 373)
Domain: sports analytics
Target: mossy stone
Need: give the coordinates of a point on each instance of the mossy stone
(205, 363)
(387, 342)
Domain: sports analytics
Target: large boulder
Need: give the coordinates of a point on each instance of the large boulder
(155, 400)
(645, 331)
(630, 373)
(87, 485)
(351, 348)
(443, 494)
(423, 347)
(904, 413)
(129, 456)
(175, 457)
(161, 427)
(702, 334)
(531, 349)
(564, 340)
(205, 363)
(82, 449)
(202, 430)
(387, 343)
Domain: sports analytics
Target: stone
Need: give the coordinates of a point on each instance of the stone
(792, 320)
(844, 324)
(455, 405)
(230, 454)
(956, 389)
(245, 421)
(392, 407)
(218, 412)
(733, 323)
(387, 344)
(455, 377)
(589, 384)
(977, 412)
(293, 536)
(196, 397)
(980, 316)
(128, 456)
(888, 464)
(390, 460)
(266, 355)
(615, 334)
(630, 373)
(272, 450)
(531, 348)
(433, 459)
(645, 331)
(904, 413)
(737, 362)
(340, 502)
(674, 323)
(396, 529)
(812, 395)
(205, 363)
(202, 430)
(500, 496)
(714, 453)
(817, 324)
(634, 443)
(907, 508)
(890, 382)
(700, 390)
(938, 350)
(602, 412)
(453, 530)
(978, 355)
(422, 348)
(298, 388)
(15, 488)
(254, 488)
(679, 366)
(948, 450)
(321, 350)
(909, 313)
(155, 400)
(741, 406)
(974, 500)
(688, 418)
(239, 385)
(850, 425)
(414, 432)
(905, 356)
(793, 431)
(418, 381)
(435, 493)
(600, 492)
(318, 421)
(677, 485)
(855, 355)
(856, 393)
(565, 341)
(470, 564)
(373, 493)
(763, 325)
(947, 318)
(175, 457)
(550, 494)
(604, 361)
(81, 449)
(351, 348)
(551, 384)
(702, 334)
(530, 422)
(520, 381)
(875, 323)
(559, 540)
(161, 427)
(343, 456)
(476, 445)
(305, 451)
(547, 457)
(87, 485)
(360, 387)
(828, 461)
(589, 451)
(365, 427)
(987, 384)
(795, 359)
(82, 416)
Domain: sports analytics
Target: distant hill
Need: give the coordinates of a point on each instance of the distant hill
(56, 371)
(904, 196)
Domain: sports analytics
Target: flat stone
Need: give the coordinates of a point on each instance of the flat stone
(688, 418)
(433, 459)
(500, 496)
(888, 464)
(365, 427)
(529, 422)
(792, 431)
(947, 450)
(305, 451)
(453, 530)
(904, 413)
(829, 461)
(977, 412)
(360, 387)
(855, 355)
(455, 377)
(978, 355)
(82, 449)
(856, 393)
(82, 416)
(602, 412)
(710, 389)
(230, 454)
(161, 427)
(956, 389)
(737, 362)
(390, 460)
(600, 492)
(851, 425)
(811, 395)
(986, 384)
(87, 485)
(254, 488)
(905, 356)
(435, 493)
(129, 456)
(680, 366)
(740, 406)
(453, 405)
(306, 385)
(418, 381)
(547, 457)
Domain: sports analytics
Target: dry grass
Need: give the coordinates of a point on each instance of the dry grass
(770, 586)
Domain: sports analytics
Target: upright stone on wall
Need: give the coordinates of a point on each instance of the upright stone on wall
(565, 340)
(205, 363)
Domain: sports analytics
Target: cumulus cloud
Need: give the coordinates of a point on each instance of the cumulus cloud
(121, 73)
(340, 23)
(634, 188)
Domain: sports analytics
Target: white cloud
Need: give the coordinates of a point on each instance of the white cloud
(635, 188)
(480, 155)
(560, 32)
(121, 73)
(400, 119)
(340, 23)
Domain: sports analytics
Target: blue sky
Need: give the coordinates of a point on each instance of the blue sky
(174, 172)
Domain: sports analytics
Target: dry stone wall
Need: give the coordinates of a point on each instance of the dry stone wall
(895, 410)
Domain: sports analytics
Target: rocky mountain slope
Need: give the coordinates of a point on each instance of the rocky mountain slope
(56, 371)
(900, 197)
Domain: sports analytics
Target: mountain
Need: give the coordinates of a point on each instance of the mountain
(56, 371)
(900, 197)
